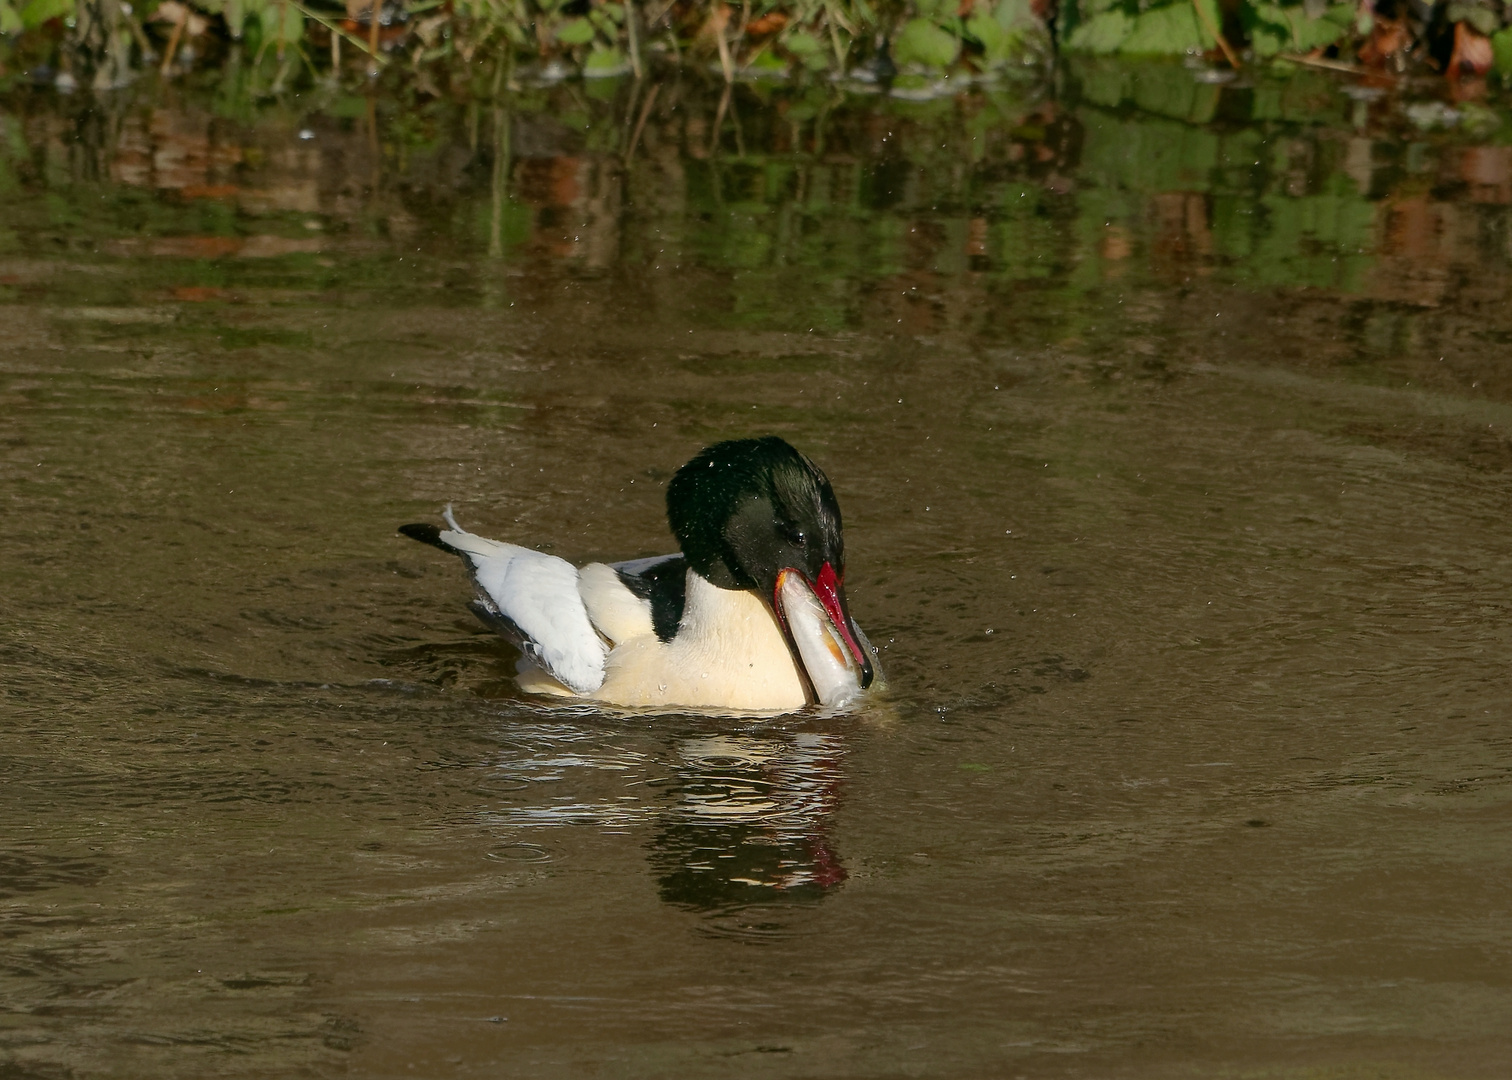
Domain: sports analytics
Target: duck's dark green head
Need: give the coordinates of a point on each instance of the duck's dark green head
(746, 510)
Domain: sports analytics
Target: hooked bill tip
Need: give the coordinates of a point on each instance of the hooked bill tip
(824, 639)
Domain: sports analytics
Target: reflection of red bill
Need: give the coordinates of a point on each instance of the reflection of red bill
(816, 621)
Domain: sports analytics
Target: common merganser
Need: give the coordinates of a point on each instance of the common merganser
(750, 617)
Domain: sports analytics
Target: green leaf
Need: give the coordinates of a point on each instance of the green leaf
(922, 42)
(282, 16)
(1268, 28)
(604, 60)
(1015, 13)
(766, 62)
(986, 31)
(1166, 30)
(1267, 41)
(10, 22)
(1211, 15)
(575, 32)
(999, 44)
(1273, 28)
(37, 12)
(802, 44)
(1482, 19)
(237, 12)
(1101, 34)
(1309, 34)
(1501, 50)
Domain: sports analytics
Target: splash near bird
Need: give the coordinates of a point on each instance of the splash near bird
(751, 617)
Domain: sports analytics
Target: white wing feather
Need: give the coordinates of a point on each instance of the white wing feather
(616, 611)
(539, 594)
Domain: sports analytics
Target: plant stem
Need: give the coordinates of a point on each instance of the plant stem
(173, 43)
(633, 31)
(373, 26)
(1223, 44)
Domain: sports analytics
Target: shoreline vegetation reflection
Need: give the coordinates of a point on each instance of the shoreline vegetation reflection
(880, 209)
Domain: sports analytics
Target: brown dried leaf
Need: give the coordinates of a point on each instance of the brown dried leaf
(1472, 52)
(1386, 40)
(768, 24)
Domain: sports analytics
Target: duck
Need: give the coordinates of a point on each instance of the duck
(749, 616)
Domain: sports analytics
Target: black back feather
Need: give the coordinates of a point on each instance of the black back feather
(665, 584)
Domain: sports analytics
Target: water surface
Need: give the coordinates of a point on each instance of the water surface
(1170, 425)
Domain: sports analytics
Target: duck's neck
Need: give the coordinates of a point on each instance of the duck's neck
(734, 636)
(710, 611)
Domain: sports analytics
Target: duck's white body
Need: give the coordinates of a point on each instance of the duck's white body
(584, 634)
(728, 653)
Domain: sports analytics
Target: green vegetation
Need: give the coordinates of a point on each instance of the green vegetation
(788, 194)
(543, 39)
(918, 48)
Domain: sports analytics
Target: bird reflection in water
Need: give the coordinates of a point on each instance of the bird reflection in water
(748, 820)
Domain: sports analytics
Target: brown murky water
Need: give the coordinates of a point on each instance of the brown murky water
(1171, 426)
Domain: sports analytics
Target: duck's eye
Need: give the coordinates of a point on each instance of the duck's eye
(794, 534)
